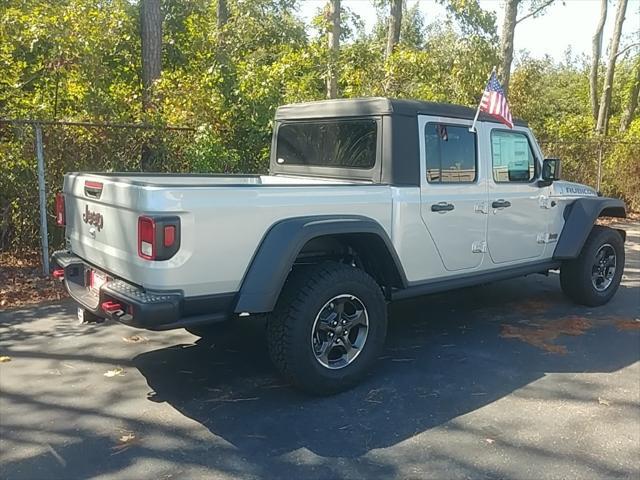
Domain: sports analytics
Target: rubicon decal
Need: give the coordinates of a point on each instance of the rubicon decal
(579, 190)
(93, 218)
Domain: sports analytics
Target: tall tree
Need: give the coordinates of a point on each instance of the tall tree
(412, 31)
(506, 44)
(509, 24)
(605, 100)
(151, 41)
(333, 40)
(596, 50)
(472, 18)
(222, 13)
(151, 37)
(395, 24)
(632, 102)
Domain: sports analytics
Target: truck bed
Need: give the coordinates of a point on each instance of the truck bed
(223, 218)
(211, 180)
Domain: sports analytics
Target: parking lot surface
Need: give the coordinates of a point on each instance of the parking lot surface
(508, 380)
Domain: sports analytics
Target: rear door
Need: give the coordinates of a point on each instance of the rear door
(453, 191)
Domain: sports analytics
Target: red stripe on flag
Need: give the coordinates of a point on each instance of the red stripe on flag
(497, 106)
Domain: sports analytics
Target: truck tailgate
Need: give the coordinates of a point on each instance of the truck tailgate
(101, 221)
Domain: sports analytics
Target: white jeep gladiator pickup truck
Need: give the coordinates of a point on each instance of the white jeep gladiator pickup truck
(367, 201)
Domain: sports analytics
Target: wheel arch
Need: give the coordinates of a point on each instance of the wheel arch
(286, 240)
(580, 217)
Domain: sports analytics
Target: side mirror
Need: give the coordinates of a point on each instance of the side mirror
(550, 172)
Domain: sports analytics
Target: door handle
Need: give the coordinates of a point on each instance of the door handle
(501, 203)
(442, 207)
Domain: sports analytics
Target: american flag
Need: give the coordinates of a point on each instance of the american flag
(494, 102)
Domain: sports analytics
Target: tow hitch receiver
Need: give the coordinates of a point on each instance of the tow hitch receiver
(113, 307)
(116, 309)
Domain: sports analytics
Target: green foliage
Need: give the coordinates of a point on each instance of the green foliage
(72, 58)
(80, 60)
(412, 28)
(472, 18)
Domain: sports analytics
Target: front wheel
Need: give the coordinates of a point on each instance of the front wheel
(594, 277)
(328, 327)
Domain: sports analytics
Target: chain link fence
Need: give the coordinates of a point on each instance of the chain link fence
(35, 155)
(612, 167)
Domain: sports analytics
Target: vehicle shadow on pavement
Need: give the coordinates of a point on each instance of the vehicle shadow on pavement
(445, 357)
(467, 387)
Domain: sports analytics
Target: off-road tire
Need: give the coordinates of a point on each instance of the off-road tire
(575, 274)
(289, 327)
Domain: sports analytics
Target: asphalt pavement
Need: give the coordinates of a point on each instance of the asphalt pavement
(508, 380)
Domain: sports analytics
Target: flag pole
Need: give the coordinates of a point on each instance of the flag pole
(475, 119)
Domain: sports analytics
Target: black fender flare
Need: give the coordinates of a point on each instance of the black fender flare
(580, 216)
(282, 243)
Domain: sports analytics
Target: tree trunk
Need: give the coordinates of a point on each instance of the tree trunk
(605, 99)
(506, 44)
(151, 40)
(632, 103)
(395, 23)
(222, 13)
(333, 39)
(151, 36)
(596, 50)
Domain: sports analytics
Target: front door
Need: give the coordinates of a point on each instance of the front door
(453, 194)
(517, 219)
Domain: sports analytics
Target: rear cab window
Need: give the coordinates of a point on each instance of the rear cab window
(339, 143)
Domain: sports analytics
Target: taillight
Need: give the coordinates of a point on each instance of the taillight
(147, 238)
(158, 237)
(60, 215)
(58, 274)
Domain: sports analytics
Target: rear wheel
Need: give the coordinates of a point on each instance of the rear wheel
(328, 327)
(594, 277)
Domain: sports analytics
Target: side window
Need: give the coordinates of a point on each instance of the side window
(451, 153)
(512, 158)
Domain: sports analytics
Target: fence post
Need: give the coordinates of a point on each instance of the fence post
(599, 175)
(44, 234)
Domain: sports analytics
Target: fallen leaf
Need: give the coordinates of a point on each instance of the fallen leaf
(135, 339)
(116, 372)
(4, 359)
(628, 324)
(128, 437)
(603, 401)
(374, 395)
(124, 442)
(543, 336)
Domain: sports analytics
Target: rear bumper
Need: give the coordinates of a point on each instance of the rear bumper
(151, 310)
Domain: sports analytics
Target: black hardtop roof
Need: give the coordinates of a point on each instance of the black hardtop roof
(367, 106)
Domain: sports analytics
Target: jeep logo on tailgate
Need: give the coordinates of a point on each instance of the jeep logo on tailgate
(93, 218)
